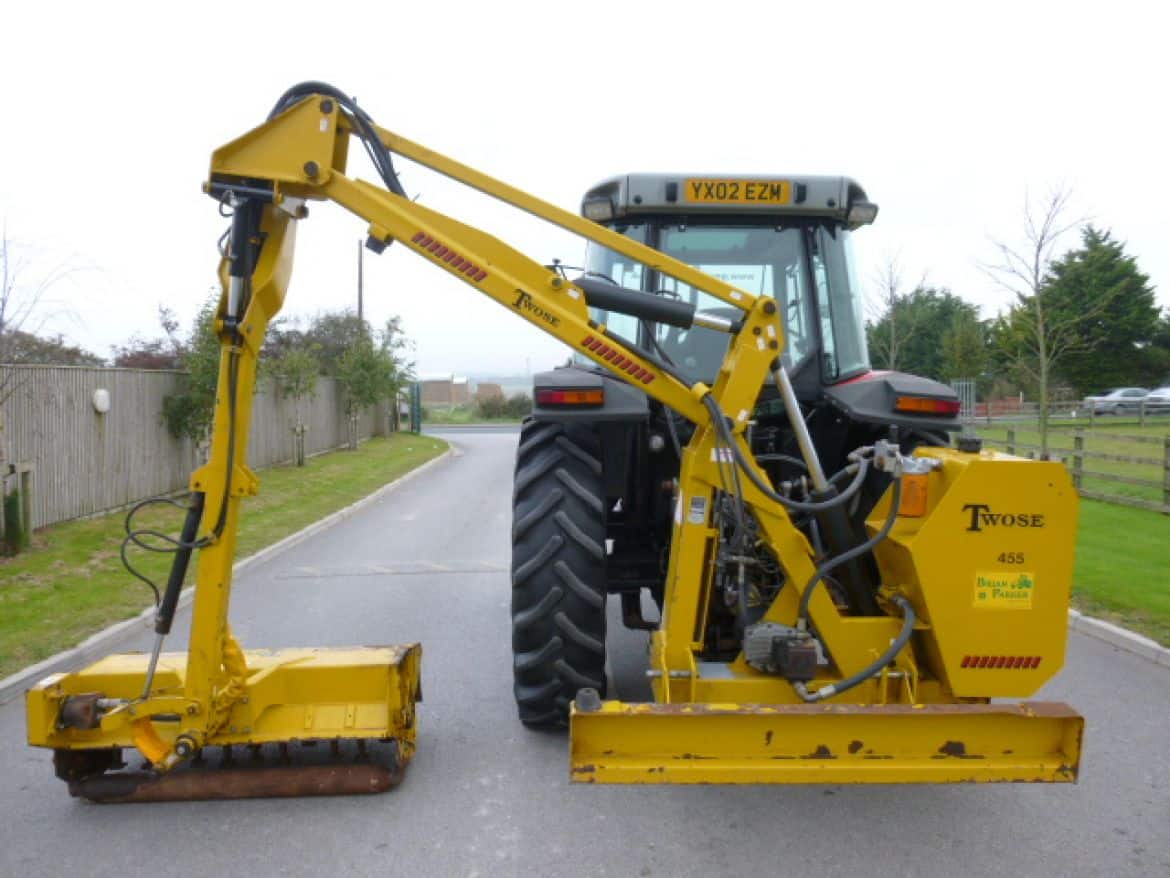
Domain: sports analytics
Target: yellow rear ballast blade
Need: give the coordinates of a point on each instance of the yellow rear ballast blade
(825, 743)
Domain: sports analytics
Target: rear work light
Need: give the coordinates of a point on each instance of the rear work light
(570, 397)
(925, 405)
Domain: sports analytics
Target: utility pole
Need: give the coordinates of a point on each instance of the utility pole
(361, 248)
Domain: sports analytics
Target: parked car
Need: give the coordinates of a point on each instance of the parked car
(1118, 401)
(1158, 400)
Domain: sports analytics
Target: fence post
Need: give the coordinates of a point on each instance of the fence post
(1011, 441)
(1077, 458)
(1166, 474)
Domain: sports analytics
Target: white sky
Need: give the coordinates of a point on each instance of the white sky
(946, 114)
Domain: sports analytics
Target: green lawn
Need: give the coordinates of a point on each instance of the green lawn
(72, 582)
(1121, 571)
(1104, 437)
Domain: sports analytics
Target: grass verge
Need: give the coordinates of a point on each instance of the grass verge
(1121, 567)
(72, 583)
(1104, 438)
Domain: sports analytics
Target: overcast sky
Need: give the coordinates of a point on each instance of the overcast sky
(946, 113)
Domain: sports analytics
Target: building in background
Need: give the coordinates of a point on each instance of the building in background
(445, 390)
(487, 390)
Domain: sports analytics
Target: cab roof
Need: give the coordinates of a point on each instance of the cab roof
(730, 194)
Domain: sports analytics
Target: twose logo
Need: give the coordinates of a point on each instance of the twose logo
(982, 516)
(525, 302)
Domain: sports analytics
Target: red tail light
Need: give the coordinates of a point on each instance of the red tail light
(925, 405)
(570, 397)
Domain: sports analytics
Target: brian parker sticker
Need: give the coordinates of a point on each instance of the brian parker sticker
(1004, 591)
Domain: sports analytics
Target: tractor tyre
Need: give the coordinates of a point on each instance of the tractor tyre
(558, 570)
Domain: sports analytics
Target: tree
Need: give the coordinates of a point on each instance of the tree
(932, 312)
(964, 346)
(188, 413)
(1098, 280)
(295, 372)
(152, 353)
(372, 370)
(1155, 358)
(889, 323)
(18, 304)
(1036, 335)
(52, 350)
(19, 299)
(366, 374)
(333, 333)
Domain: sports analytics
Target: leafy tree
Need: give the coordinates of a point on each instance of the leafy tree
(518, 406)
(1155, 357)
(189, 412)
(932, 312)
(26, 348)
(964, 346)
(295, 372)
(153, 353)
(367, 376)
(333, 333)
(1100, 281)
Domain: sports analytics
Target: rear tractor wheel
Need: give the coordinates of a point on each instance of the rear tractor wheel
(558, 570)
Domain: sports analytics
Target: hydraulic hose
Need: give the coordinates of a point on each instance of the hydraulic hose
(908, 619)
(724, 431)
(856, 552)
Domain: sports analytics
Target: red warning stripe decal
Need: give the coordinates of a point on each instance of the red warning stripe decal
(450, 257)
(625, 364)
(1001, 662)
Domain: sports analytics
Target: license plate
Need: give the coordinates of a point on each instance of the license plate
(708, 191)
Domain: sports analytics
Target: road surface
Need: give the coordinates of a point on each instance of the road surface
(485, 797)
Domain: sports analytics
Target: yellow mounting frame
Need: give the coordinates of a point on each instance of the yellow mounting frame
(730, 724)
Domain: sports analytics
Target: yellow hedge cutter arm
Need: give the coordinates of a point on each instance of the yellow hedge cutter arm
(898, 702)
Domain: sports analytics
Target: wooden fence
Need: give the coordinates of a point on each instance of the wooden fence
(80, 462)
(1079, 459)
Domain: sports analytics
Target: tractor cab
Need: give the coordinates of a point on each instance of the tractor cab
(784, 237)
(787, 238)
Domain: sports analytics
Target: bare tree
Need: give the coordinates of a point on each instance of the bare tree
(20, 297)
(1037, 336)
(884, 309)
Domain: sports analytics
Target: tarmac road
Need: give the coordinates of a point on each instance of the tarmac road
(485, 797)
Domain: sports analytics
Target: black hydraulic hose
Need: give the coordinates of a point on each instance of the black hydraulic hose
(377, 150)
(899, 643)
(725, 433)
(855, 552)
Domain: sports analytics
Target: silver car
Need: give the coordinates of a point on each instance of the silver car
(1158, 400)
(1118, 401)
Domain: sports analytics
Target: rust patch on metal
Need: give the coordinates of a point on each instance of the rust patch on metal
(956, 750)
(854, 746)
(768, 738)
(822, 752)
(238, 783)
(584, 769)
